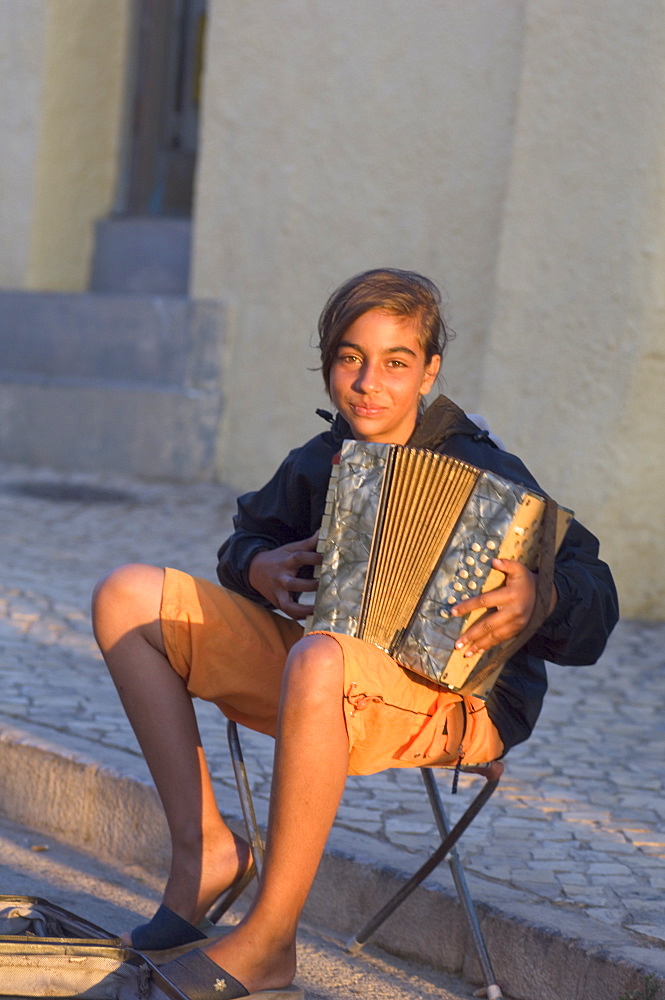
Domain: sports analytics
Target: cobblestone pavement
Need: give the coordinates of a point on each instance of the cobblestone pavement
(577, 822)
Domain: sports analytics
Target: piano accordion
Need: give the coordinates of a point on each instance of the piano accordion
(407, 533)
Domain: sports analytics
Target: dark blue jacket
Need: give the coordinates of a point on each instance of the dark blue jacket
(290, 508)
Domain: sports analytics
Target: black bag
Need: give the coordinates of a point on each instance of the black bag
(46, 951)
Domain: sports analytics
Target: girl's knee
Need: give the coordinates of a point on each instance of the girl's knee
(131, 593)
(118, 585)
(315, 663)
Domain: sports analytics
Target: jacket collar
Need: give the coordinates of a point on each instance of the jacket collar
(441, 421)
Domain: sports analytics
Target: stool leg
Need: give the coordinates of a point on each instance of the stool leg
(228, 898)
(443, 852)
(492, 990)
(245, 796)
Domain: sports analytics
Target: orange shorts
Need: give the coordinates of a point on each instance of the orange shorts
(232, 652)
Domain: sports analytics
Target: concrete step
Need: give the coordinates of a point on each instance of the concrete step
(129, 383)
(142, 255)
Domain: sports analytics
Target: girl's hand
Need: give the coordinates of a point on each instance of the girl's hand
(508, 607)
(274, 573)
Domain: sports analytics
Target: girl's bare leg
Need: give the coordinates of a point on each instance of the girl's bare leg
(311, 761)
(206, 856)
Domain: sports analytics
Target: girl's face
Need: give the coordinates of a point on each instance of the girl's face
(378, 375)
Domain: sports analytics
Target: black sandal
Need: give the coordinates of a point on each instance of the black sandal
(166, 930)
(199, 978)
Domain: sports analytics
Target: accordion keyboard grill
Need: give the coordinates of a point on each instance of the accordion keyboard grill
(423, 497)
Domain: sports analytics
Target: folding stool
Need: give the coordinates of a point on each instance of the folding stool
(446, 851)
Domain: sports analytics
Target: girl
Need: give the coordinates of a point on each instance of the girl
(334, 703)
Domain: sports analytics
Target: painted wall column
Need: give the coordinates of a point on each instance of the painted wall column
(575, 363)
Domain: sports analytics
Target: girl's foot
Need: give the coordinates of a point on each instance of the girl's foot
(195, 974)
(177, 920)
(255, 955)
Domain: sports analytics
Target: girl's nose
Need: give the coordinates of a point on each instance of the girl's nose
(368, 378)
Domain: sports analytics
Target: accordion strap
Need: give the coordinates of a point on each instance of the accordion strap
(544, 582)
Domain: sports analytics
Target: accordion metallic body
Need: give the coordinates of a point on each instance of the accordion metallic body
(408, 533)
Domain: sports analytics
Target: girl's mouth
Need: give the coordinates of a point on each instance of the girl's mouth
(366, 409)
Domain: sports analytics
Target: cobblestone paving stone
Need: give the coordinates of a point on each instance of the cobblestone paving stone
(578, 820)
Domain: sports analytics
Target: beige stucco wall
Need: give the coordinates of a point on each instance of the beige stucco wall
(22, 28)
(575, 365)
(65, 63)
(338, 137)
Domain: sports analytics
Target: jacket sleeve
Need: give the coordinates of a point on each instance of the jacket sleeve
(288, 508)
(265, 519)
(588, 608)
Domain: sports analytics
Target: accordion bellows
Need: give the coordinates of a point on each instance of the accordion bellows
(407, 534)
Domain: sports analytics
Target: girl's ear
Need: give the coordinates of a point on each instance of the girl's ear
(430, 374)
